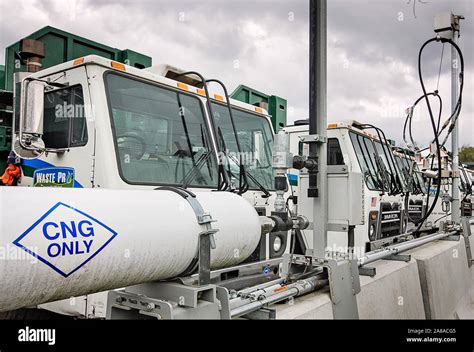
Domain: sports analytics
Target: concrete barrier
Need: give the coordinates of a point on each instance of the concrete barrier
(445, 279)
(472, 266)
(394, 293)
(471, 307)
(436, 284)
(472, 251)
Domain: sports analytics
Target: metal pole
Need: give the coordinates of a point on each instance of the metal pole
(391, 250)
(318, 121)
(296, 289)
(456, 206)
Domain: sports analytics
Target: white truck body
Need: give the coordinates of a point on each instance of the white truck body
(98, 151)
(352, 201)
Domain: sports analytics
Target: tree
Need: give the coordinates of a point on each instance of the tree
(466, 155)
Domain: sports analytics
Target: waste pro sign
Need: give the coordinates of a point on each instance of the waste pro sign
(54, 177)
(65, 238)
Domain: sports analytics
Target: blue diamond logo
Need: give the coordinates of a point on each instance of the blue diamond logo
(65, 238)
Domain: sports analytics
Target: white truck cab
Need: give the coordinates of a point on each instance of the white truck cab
(121, 127)
(442, 210)
(370, 213)
(415, 201)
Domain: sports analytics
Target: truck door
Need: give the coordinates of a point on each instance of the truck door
(68, 132)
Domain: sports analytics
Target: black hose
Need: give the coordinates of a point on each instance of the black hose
(451, 121)
(409, 117)
(435, 132)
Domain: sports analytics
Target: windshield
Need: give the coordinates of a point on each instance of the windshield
(407, 166)
(397, 179)
(256, 141)
(365, 152)
(466, 183)
(160, 134)
(380, 170)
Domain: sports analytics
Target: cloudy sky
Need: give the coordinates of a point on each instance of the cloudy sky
(372, 47)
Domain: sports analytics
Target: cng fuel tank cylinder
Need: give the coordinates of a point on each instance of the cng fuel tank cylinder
(61, 243)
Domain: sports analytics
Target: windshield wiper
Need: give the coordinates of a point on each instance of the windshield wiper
(465, 183)
(387, 182)
(203, 141)
(196, 169)
(411, 184)
(407, 167)
(413, 176)
(396, 186)
(368, 171)
(392, 173)
(250, 176)
(380, 182)
(243, 183)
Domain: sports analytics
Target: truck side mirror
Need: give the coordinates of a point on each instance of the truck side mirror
(29, 143)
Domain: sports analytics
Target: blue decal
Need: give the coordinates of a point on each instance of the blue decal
(266, 270)
(41, 164)
(66, 236)
(293, 179)
(432, 190)
(54, 177)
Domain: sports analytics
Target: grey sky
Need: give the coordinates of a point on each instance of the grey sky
(372, 47)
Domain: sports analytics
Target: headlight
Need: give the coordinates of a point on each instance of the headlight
(277, 244)
(372, 232)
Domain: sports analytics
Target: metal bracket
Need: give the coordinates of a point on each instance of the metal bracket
(206, 238)
(222, 294)
(466, 232)
(185, 296)
(315, 138)
(338, 170)
(453, 238)
(121, 304)
(166, 300)
(262, 314)
(344, 281)
(206, 242)
(343, 226)
(399, 257)
(367, 271)
(344, 284)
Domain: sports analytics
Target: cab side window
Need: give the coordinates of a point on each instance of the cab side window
(65, 123)
(335, 156)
